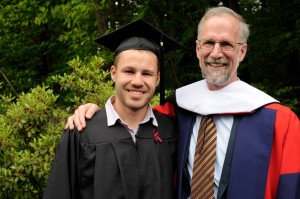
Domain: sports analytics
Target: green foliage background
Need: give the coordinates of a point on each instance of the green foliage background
(31, 125)
(50, 64)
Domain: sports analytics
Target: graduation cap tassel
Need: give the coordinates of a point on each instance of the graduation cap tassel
(162, 73)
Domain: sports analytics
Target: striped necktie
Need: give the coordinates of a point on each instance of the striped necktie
(202, 185)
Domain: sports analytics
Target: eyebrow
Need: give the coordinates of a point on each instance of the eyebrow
(134, 68)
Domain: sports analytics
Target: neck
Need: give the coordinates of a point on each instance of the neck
(131, 117)
(214, 87)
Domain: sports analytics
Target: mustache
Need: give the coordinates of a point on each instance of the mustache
(216, 61)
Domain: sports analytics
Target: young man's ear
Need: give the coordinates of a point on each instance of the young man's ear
(113, 72)
(158, 78)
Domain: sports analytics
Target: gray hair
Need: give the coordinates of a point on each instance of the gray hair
(224, 11)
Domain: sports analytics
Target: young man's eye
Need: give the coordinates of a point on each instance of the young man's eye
(129, 71)
(148, 73)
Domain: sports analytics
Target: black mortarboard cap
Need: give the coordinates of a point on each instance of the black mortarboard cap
(140, 35)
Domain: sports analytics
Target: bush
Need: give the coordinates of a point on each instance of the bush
(88, 82)
(31, 125)
(29, 131)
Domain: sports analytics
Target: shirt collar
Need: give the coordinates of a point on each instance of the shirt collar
(113, 116)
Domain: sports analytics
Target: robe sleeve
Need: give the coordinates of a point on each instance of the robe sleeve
(284, 171)
(63, 178)
(166, 109)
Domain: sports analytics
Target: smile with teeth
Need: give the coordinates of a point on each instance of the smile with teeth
(217, 64)
(136, 92)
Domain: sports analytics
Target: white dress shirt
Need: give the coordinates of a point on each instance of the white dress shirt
(223, 125)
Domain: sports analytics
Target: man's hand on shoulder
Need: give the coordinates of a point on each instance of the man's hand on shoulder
(82, 113)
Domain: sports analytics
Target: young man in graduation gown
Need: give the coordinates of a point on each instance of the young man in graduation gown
(258, 150)
(127, 150)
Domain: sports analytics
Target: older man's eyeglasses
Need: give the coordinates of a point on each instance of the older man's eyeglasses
(207, 44)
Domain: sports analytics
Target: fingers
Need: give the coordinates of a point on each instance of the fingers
(70, 123)
(93, 108)
(83, 112)
(79, 117)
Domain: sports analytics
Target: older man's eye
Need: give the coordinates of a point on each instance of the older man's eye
(227, 45)
(209, 43)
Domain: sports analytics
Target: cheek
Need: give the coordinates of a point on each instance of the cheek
(235, 59)
(152, 83)
(202, 54)
(201, 57)
(121, 79)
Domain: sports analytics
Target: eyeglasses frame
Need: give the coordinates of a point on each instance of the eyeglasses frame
(215, 42)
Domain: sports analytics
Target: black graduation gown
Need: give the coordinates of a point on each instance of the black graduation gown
(104, 162)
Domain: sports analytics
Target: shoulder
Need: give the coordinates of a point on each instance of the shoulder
(97, 130)
(98, 118)
(282, 110)
(95, 125)
(286, 119)
(165, 123)
(162, 118)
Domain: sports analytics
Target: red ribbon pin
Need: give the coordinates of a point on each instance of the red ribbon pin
(156, 137)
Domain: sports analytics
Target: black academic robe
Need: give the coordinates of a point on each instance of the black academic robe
(104, 162)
